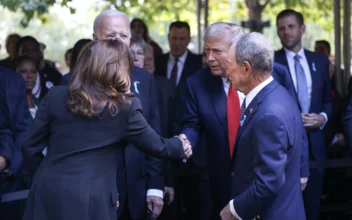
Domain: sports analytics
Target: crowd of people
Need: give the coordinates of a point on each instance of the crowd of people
(131, 132)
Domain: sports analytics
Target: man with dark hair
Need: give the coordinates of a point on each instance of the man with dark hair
(323, 47)
(309, 72)
(179, 63)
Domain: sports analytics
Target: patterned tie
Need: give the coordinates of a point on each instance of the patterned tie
(243, 108)
(233, 116)
(302, 87)
(174, 72)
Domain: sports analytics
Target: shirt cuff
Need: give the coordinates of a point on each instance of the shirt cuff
(233, 211)
(155, 192)
(326, 120)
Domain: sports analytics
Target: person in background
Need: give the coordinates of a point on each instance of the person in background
(29, 46)
(10, 44)
(28, 69)
(309, 73)
(179, 62)
(14, 120)
(139, 28)
(149, 64)
(141, 52)
(68, 56)
(75, 53)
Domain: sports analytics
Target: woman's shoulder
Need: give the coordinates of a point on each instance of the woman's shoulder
(57, 93)
(133, 104)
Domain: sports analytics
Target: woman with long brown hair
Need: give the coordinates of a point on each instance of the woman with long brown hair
(86, 127)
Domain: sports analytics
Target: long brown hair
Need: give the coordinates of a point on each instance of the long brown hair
(101, 76)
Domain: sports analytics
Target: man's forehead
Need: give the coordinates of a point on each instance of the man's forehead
(114, 21)
(216, 43)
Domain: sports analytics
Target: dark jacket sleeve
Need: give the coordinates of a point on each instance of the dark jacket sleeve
(327, 96)
(22, 120)
(155, 166)
(144, 138)
(190, 123)
(36, 138)
(6, 132)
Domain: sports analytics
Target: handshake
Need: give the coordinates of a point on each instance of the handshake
(186, 146)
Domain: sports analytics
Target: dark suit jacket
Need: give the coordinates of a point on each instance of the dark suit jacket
(142, 172)
(204, 112)
(65, 80)
(321, 98)
(265, 179)
(192, 64)
(282, 76)
(14, 117)
(166, 92)
(79, 171)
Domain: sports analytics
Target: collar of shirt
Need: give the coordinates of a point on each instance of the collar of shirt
(181, 59)
(226, 83)
(292, 55)
(254, 92)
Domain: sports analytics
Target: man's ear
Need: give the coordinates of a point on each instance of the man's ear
(247, 69)
(94, 37)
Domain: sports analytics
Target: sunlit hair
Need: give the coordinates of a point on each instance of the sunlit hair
(101, 77)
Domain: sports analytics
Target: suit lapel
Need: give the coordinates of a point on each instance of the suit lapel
(313, 73)
(280, 57)
(219, 99)
(253, 107)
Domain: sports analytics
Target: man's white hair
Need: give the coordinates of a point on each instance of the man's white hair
(222, 29)
(108, 13)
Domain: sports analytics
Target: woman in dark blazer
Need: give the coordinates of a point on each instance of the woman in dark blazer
(86, 127)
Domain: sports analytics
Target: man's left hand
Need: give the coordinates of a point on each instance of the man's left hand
(313, 120)
(155, 204)
(226, 214)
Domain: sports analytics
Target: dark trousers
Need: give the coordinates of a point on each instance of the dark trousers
(312, 193)
(193, 193)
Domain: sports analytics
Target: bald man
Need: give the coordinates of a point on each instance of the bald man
(144, 174)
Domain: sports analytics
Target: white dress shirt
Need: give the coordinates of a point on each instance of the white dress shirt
(226, 84)
(304, 63)
(180, 65)
(250, 96)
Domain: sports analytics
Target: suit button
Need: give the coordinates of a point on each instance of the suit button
(232, 174)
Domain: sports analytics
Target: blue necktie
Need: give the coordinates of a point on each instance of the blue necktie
(302, 87)
(243, 108)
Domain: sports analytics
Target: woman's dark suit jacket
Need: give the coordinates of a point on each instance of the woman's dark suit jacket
(77, 177)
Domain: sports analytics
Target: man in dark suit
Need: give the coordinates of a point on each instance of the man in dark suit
(207, 95)
(179, 63)
(145, 174)
(309, 73)
(14, 119)
(266, 159)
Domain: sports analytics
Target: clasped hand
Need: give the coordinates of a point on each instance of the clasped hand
(186, 145)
